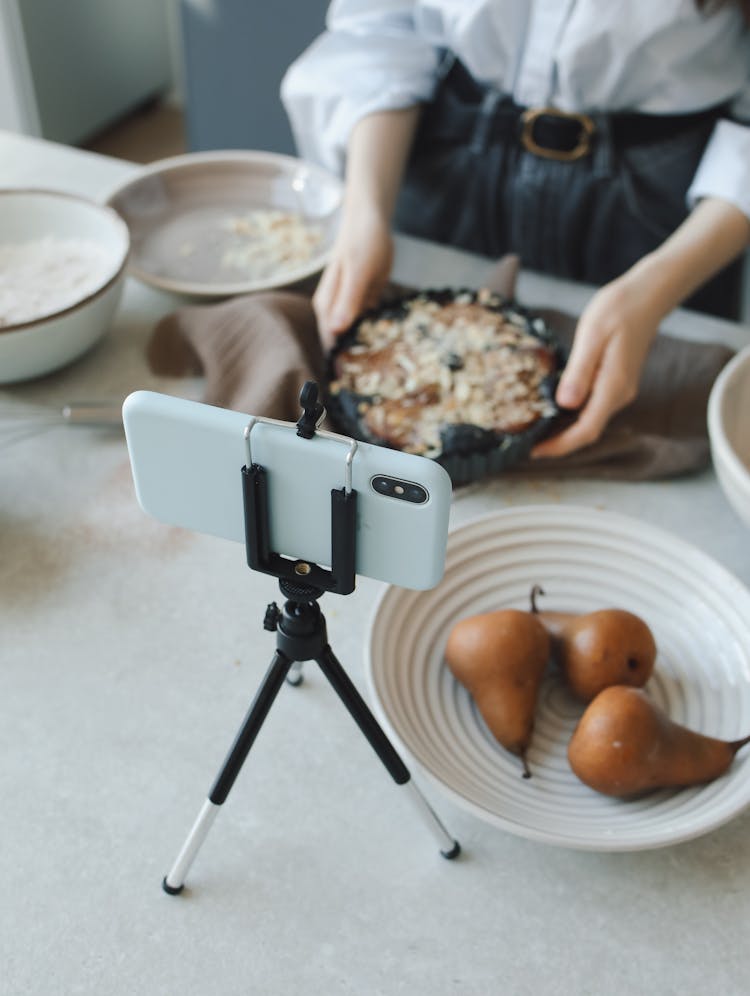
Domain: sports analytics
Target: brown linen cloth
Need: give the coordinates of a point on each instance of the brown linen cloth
(257, 351)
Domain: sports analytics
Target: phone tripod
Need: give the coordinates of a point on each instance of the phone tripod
(300, 636)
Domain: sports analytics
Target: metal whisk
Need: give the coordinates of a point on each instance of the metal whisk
(19, 422)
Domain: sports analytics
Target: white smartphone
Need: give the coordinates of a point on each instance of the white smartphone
(187, 459)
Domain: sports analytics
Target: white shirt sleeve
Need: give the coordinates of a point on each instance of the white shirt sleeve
(724, 170)
(371, 58)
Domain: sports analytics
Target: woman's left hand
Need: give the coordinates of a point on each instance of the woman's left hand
(610, 346)
(618, 326)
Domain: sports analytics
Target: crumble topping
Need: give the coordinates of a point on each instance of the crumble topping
(473, 361)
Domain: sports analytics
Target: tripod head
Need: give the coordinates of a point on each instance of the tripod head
(299, 625)
(295, 591)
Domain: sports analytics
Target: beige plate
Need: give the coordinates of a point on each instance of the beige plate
(179, 212)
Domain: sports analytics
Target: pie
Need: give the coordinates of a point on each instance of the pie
(463, 377)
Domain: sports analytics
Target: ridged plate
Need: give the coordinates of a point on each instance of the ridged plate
(584, 559)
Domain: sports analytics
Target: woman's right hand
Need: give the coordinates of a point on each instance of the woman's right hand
(356, 274)
(362, 255)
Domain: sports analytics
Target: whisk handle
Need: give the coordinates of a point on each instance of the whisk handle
(93, 413)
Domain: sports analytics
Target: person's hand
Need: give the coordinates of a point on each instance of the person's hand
(610, 346)
(616, 329)
(362, 257)
(358, 271)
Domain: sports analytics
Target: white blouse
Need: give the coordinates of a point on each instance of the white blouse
(652, 56)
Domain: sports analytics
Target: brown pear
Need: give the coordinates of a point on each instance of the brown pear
(599, 649)
(500, 658)
(624, 745)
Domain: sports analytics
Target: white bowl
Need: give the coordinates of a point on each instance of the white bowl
(584, 558)
(729, 431)
(186, 216)
(38, 345)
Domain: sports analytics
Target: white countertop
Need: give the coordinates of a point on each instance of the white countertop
(129, 653)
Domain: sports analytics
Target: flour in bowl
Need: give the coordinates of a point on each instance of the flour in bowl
(43, 276)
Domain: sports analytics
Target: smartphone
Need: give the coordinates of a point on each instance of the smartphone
(187, 458)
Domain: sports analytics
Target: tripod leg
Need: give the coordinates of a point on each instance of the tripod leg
(295, 676)
(358, 708)
(269, 689)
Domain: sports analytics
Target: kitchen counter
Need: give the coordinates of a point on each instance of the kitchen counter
(129, 652)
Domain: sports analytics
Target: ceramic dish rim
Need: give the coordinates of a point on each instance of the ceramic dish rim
(717, 433)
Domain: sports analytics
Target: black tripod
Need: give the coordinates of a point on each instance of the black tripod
(300, 636)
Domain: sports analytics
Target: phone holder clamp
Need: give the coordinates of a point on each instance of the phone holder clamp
(341, 578)
(313, 411)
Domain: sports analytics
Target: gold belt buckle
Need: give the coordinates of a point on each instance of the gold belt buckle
(529, 119)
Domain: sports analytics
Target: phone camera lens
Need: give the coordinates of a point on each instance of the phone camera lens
(404, 490)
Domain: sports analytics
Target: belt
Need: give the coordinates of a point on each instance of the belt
(554, 134)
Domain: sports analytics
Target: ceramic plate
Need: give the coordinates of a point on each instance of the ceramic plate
(213, 224)
(584, 559)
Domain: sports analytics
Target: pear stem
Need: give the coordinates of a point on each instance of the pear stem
(526, 769)
(736, 744)
(536, 590)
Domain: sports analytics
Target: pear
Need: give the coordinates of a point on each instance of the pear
(624, 744)
(599, 649)
(500, 658)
